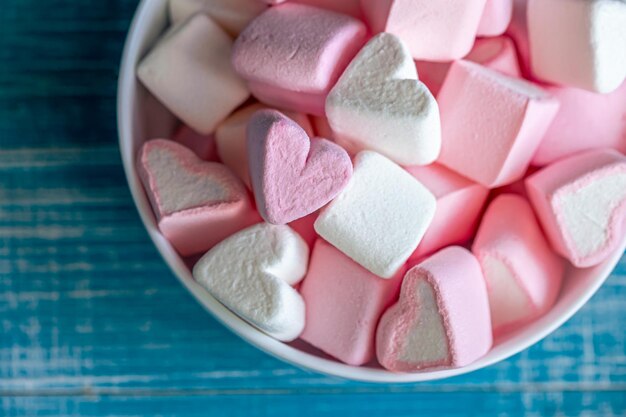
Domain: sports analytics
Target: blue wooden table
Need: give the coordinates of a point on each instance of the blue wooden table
(92, 322)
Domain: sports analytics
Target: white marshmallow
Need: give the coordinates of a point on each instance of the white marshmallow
(580, 43)
(251, 273)
(190, 72)
(232, 15)
(380, 217)
(379, 104)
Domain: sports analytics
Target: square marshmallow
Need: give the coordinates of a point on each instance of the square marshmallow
(189, 71)
(380, 217)
(434, 30)
(588, 48)
(491, 123)
(344, 302)
(232, 15)
(459, 205)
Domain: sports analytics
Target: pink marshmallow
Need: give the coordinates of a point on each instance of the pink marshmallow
(585, 121)
(522, 272)
(292, 55)
(442, 317)
(581, 204)
(496, 17)
(197, 204)
(202, 145)
(459, 205)
(441, 30)
(491, 123)
(230, 138)
(292, 176)
(496, 53)
(343, 304)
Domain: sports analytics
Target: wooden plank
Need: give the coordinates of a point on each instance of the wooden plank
(78, 314)
(314, 404)
(93, 323)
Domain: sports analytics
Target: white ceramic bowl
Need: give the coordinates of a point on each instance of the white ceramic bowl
(140, 117)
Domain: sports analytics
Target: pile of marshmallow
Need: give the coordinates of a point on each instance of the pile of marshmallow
(329, 193)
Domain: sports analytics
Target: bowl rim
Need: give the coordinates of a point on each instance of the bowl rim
(126, 95)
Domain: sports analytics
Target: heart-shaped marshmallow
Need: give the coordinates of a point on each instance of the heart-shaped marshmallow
(252, 272)
(581, 203)
(379, 104)
(196, 203)
(291, 175)
(442, 316)
(231, 140)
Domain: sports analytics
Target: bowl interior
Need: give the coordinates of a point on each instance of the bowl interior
(141, 117)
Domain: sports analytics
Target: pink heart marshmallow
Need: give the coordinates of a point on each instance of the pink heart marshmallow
(291, 175)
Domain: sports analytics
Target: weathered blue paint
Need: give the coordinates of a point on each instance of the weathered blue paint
(92, 323)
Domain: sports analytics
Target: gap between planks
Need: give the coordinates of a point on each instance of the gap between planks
(488, 388)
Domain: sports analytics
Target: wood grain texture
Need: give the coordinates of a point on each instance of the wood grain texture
(92, 322)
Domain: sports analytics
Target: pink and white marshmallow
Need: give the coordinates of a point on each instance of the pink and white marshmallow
(232, 15)
(581, 204)
(292, 55)
(379, 104)
(492, 124)
(231, 138)
(344, 302)
(442, 30)
(586, 51)
(459, 206)
(196, 203)
(292, 175)
(253, 273)
(380, 217)
(522, 272)
(189, 71)
(442, 318)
